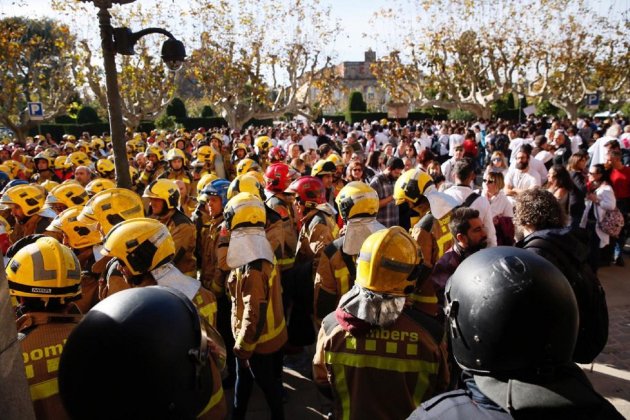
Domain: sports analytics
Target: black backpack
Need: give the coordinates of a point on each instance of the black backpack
(590, 296)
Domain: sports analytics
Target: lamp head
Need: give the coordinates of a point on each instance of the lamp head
(173, 54)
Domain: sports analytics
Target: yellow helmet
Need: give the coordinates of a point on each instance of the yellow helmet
(141, 244)
(97, 185)
(176, 154)
(244, 210)
(205, 154)
(62, 163)
(15, 168)
(111, 207)
(69, 194)
(412, 185)
(323, 167)
(45, 156)
(154, 150)
(5, 227)
(44, 269)
(49, 185)
(164, 189)
(389, 262)
(85, 145)
(5, 168)
(78, 159)
(246, 165)
(104, 167)
(246, 183)
(357, 199)
(28, 197)
(205, 180)
(97, 143)
(335, 159)
(263, 143)
(78, 234)
(133, 174)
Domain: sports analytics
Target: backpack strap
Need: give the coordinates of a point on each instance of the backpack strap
(470, 199)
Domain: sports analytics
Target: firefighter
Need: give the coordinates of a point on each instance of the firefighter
(376, 356)
(106, 169)
(113, 366)
(177, 167)
(258, 322)
(66, 195)
(26, 203)
(317, 230)
(108, 208)
(145, 250)
(335, 272)
(154, 167)
(45, 277)
(164, 197)
(84, 240)
(44, 165)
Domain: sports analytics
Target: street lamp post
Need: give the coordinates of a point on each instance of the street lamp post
(122, 41)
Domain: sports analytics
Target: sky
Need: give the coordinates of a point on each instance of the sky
(355, 17)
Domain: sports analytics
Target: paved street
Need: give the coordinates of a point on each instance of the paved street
(610, 374)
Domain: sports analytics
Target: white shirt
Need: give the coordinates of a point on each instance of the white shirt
(624, 141)
(598, 151)
(606, 197)
(576, 141)
(447, 170)
(520, 180)
(481, 204)
(501, 206)
(381, 139)
(424, 142)
(515, 145)
(537, 169)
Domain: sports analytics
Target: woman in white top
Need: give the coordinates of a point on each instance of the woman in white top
(600, 198)
(501, 207)
(498, 163)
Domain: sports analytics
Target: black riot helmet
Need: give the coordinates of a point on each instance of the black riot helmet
(510, 311)
(141, 354)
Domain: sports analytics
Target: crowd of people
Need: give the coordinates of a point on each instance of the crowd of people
(359, 251)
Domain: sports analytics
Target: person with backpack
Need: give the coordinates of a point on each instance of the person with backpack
(539, 220)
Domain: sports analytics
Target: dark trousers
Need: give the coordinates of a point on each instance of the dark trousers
(263, 370)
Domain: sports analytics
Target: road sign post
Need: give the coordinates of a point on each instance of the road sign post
(35, 111)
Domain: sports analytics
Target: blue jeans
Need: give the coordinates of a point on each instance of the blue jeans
(263, 370)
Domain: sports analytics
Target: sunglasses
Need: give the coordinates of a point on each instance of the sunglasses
(488, 181)
(357, 170)
(593, 173)
(496, 159)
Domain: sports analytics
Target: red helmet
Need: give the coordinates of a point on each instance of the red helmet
(278, 177)
(277, 154)
(309, 190)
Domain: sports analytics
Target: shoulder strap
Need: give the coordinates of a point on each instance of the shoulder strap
(470, 199)
(350, 263)
(434, 328)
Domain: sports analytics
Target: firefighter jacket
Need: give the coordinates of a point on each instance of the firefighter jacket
(184, 235)
(43, 176)
(42, 336)
(318, 230)
(275, 232)
(181, 175)
(209, 242)
(380, 373)
(146, 176)
(286, 256)
(433, 236)
(29, 226)
(216, 407)
(258, 323)
(334, 276)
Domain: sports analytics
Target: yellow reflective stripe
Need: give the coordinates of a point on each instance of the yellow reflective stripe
(380, 362)
(421, 388)
(271, 331)
(217, 289)
(209, 311)
(423, 299)
(343, 275)
(216, 398)
(286, 261)
(341, 387)
(442, 242)
(242, 344)
(44, 389)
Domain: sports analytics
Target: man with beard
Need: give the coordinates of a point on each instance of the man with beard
(518, 177)
(383, 183)
(470, 236)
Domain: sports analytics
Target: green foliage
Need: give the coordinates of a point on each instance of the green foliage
(176, 109)
(87, 115)
(65, 119)
(166, 121)
(546, 108)
(356, 102)
(510, 101)
(625, 109)
(461, 115)
(207, 112)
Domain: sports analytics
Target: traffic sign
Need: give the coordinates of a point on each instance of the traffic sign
(592, 100)
(35, 111)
